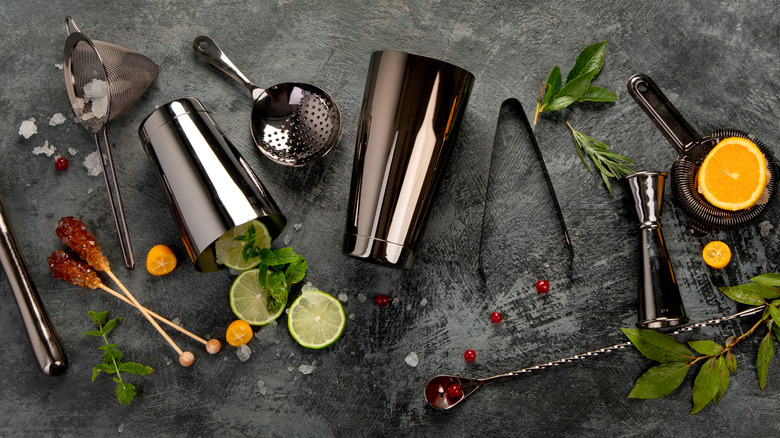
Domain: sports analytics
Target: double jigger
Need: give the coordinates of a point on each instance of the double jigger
(660, 304)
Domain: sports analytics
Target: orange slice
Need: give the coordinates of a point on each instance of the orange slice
(716, 254)
(733, 175)
(160, 260)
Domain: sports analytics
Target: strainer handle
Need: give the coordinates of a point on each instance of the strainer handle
(70, 22)
(207, 49)
(665, 116)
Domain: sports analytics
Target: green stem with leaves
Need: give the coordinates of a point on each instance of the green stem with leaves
(719, 361)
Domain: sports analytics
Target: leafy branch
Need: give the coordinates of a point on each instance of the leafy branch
(718, 361)
(553, 96)
(609, 164)
(112, 358)
(279, 269)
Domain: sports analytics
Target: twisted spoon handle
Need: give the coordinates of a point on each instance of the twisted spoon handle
(624, 345)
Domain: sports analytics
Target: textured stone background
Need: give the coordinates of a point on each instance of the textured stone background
(717, 62)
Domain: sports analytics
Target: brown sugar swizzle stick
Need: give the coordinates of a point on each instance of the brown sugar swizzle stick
(75, 235)
(79, 273)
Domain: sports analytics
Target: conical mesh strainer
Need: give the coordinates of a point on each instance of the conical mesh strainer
(103, 81)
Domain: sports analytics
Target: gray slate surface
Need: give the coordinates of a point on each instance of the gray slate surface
(716, 61)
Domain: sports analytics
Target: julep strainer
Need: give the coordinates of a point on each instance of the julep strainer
(103, 81)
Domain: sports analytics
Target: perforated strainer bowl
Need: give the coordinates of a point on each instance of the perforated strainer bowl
(292, 124)
(693, 148)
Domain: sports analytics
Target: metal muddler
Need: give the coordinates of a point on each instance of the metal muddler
(43, 339)
(660, 304)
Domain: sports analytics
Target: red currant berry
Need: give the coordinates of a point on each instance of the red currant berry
(542, 286)
(454, 391)
(496, 317)
(382, 300)
(470, 355)
(61, 163)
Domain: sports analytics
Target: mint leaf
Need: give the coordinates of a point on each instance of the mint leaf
(125, 392)
(262, 276)
(296, 271)
(706, 385)
(267, 257)
(723, 370)
(771, 279)
(658, 346)
(97, 333)
(98, 317)
(285, 255)
(277, 288)
(766, 351)
(743, 296)
(707, 348)
(660, 380)
(110, 356)
(111, 325)
(588, 62)
(135, 368)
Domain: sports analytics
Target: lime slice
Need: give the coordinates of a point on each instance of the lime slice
(230, 252)
(249, 301)
(315, 319)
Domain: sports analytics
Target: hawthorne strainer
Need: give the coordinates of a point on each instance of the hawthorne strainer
(103, 81)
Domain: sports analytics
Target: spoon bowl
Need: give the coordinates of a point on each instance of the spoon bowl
(436, 390)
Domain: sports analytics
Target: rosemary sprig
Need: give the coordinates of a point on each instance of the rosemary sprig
(609, 164)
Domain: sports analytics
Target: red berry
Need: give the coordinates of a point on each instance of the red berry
(454, 391)
(470, 355)
(382, 300)
(61, 163)
(496, 317)
(542, 286)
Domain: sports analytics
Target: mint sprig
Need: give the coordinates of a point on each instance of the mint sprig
(553, 95)
(717, 360)
(250, 251)
(279, 270)
(112, 358)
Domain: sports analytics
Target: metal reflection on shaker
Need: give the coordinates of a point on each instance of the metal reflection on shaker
(412, 110)
(210, 187)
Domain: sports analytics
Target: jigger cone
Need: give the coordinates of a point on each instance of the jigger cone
(660, 304)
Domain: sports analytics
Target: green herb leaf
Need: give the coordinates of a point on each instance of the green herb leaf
(766, 351)
(771, 279)
(552, 86)
(706, 385)
(658, 346)
(267, 257)
(112, 356)
(707, 348)
(111, 325)
(588, 62)
(250, 235)
(125, 393)
(660, 380)
(609, 164)
(731, 362)
(762, 290)
(285, 255)
(598, 94)
(560, 102)
(723, 370)
(135, 368)
(104, 367)
(98, 317)
(775, 314)
(296, 271)
(743, 296)
(277, 288)
(97, 333)
(262, 276)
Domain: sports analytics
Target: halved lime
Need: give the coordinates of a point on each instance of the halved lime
(249, 301)
(230, 252)
(315, 319)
